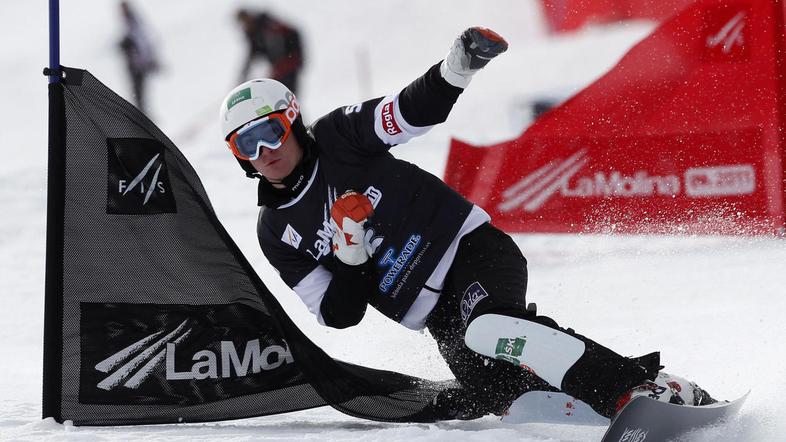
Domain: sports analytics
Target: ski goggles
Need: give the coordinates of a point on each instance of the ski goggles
(270, 131)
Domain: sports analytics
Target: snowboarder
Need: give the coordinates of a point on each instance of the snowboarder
(271, 39)
(139, 53)
(348, 225)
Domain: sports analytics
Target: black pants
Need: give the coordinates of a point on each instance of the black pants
(489, 275)
(138, 81)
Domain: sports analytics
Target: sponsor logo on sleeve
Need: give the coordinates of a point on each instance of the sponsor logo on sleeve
(355, 108)
(389, 123)
(137, 178)
(472, 296)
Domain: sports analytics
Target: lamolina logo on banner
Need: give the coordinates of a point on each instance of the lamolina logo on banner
(134, 364)
(137, 178)
(557, 178)
(178, 354)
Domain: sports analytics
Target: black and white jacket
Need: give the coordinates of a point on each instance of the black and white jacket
(417, 222)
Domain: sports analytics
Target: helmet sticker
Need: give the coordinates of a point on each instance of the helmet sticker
(239, 96)
(264, 110)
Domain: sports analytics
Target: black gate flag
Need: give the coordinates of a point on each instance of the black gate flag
(152, 313)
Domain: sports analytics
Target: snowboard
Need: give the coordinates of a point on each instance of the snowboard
(550, 407)
(646, 419)
(642, 420)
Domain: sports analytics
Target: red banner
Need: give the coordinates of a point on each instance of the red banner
(683, 135)
(569, 15)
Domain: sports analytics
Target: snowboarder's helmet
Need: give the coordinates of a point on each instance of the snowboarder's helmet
(255, 99)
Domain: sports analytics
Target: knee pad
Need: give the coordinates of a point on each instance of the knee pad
(546, 351)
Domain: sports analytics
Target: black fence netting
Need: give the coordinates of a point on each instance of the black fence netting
(152, 313)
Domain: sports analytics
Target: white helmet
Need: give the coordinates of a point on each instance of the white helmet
(254, 99)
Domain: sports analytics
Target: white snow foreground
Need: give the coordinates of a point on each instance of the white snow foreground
(712, 305)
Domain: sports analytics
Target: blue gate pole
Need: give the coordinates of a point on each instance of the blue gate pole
(54, 40)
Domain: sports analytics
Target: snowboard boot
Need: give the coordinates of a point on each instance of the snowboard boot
(463, 404)
(668, 388)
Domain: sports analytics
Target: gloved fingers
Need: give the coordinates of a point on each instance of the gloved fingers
(482, 44)
(351, 205)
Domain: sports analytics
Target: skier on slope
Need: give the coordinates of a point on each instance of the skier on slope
(348, 225)
(139, 52)
(273, 40)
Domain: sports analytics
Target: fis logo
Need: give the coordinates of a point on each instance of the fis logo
(137, 179)
(132, 365)
(153, 185)
(730, 35)
(726, 32)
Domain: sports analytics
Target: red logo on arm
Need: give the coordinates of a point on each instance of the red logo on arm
(389, 120)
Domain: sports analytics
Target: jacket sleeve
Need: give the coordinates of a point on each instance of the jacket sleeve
(345, 300)
(376, 125)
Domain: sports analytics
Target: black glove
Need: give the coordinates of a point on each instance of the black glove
(470, 52)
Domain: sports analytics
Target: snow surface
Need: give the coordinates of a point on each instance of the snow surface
(712, 305)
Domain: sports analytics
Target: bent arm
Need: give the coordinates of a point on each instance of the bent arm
(427, 101)
(339, 298)
(376, 125)
(346, 298)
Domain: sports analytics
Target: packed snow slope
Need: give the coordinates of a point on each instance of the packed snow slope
(712, 305)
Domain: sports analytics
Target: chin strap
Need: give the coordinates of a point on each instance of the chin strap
(248, 168)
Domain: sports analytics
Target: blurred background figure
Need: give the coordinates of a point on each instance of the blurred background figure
(275, 41)
(138, 50)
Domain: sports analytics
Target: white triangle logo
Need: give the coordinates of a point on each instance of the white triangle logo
(291, 237)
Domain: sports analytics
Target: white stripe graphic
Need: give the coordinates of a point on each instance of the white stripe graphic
(123, 372)
(141, 175)
(542, 183)
(147, 369)
(535, 203)
(729, 34)
(526, 181)
(152, 185)
(109, 363)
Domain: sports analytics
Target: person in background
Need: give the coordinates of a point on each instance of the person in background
(275, 41)
(139, 53)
